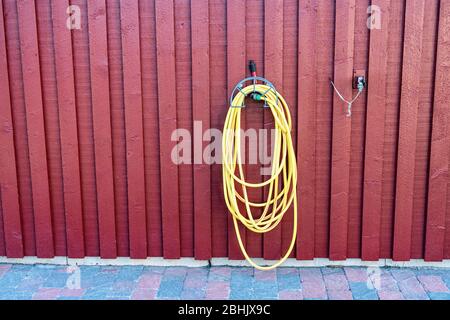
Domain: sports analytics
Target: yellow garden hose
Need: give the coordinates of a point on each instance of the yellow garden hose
(281, 185)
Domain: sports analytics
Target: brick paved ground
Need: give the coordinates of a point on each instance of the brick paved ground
(134, 282)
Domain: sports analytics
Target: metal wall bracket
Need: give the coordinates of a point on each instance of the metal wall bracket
(253, 80)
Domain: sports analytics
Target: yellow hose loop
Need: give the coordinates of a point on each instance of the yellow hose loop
(284, 172)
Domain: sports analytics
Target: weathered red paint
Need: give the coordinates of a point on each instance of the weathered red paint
(35, 127)
(342, 128)
(151, 126)
(165, 48)
(8, 188)
(69, 136)
(118, 135)
(408, 127)
(236, 70)
(273, 70)
(289, 90)
(306, 128)
(201, 93)
(52, 132)
(253, 116)
(374, 144)
(439, 159)
(87, 119)
(219, 88)
(183, 87)
(99, 71)
(129, 13)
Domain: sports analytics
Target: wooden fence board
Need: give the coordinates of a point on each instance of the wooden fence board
(69, 133)
(306, 135)
(340, 174)
(9, 201)
(134, 128)
(373, 164)
(167, 124)
(36, 128)
(102, 127)
(201, 114)
(439, 158)
(407, 132)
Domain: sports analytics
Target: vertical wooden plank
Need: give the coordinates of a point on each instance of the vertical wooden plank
(18, 112)
(101, 116)
(9, 200)
(68, 131)
(167, 125)
(237, 67)
(408, 125)
(427, 64)
(393, 88)
(83, 94)
(201, 115)
(325, 33)
(218, 111)
(2, 231)
(306, 128)
(439, 158)
(290, 94)
(273, 71)
(340, 172)
(183, 87)
(376, 106)
(52, 126)
(118, 135)
(253, 117)
(36, 129)
(355, 202)
(151, 127)
(134, 127)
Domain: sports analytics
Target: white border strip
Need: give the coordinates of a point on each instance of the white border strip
(322, 262)
(97, 261)
(34, 260)
(191, 262)
(155, 262)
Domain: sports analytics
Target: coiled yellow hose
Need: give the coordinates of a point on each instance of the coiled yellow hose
(283, 173)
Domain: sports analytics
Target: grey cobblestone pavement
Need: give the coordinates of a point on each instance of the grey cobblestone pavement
(138, 282)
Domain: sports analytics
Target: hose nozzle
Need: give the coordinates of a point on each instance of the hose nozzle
(252, 68)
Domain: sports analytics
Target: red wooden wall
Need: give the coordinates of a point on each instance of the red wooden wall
(86, 118)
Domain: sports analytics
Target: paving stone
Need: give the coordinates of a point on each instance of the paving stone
(217, 290)
(361, 291)
(336, 282)
(290, 295)
(270, 275)
(193, 294)
(149, 281)
(219, 273)
(47, 294)
(289, 281)
(402, 274)
(412, 289)
(170, 288)
(341, 294)
(56, 280)
(439, 295)
(313, 285)
(433, 283)
(390, 295)
(355, 274)
(144, 294)
(4, 268)
(72, 292)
